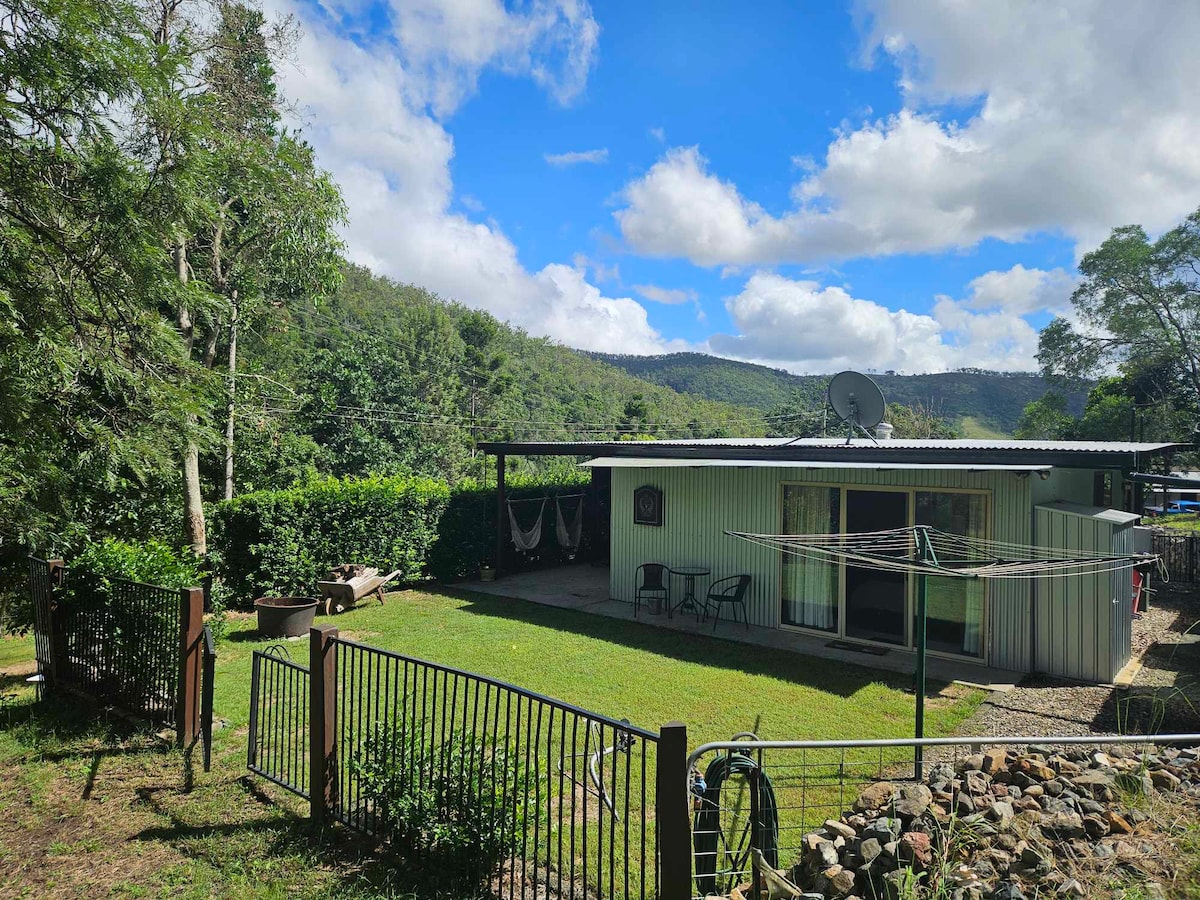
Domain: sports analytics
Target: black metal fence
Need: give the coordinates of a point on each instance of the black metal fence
(137, 647)
(277, 745)
(552, 799)
(563, 796)
(1180, 554)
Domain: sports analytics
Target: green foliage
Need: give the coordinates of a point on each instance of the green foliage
(283, 542)
(993, 398)
(151, 562)
(455, 811)
(1046, 419)
(1137, 312)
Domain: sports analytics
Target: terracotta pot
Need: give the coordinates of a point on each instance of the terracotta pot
(285, 616)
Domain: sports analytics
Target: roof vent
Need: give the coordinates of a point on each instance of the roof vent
(883, 431)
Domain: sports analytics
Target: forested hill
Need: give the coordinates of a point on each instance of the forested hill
(386, 377)
(993, 400)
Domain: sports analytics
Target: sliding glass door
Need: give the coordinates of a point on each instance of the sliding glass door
(876, 601)
(856, 603)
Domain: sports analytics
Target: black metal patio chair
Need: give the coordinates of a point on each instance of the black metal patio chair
(731, 592)
(652, 580)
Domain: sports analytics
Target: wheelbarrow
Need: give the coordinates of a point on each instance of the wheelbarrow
(349, 584)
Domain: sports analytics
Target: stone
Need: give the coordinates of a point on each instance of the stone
(1117, 823)
(994, 761)
(825, 855)
(869, 849)
(972, 763)
(811, 840)
(916, 849)
(1007, 890)
(1095, 826)
(1104, 850)
(1164, 780)
(1034, 790)
(1071, 888)
(875, 796)
(833, 826)
(1095, 784)
(1062, 826)
(1001, 812)
(842, 882)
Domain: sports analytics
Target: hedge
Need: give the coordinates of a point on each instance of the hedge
(283, 542)
(467, 533)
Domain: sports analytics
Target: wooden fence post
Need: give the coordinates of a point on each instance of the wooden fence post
(322, 722)
(672, 813)
(187, 698)
(54, 622)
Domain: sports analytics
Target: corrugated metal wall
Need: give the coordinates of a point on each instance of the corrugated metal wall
(701, 503)
(1082, 623)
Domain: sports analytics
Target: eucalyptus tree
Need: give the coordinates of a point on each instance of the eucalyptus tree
(1137, 313)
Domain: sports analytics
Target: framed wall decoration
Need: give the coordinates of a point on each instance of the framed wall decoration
(648, 506)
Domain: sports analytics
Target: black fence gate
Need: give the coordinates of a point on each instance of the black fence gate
(139, 648)
(572, 803)
(1180, 554)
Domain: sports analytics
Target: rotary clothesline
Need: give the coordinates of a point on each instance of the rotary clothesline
(924, 549)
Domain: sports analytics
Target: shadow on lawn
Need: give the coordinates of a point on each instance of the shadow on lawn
(832, 676)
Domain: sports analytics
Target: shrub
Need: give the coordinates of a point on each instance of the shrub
(467, 531)
(283, 542)
(151, 562)
(454, 811)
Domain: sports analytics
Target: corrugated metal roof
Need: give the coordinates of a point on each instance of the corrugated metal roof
(909, 444)
(1115, 516)
(634, 462)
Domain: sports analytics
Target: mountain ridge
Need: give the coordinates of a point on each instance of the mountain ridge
(969, 397)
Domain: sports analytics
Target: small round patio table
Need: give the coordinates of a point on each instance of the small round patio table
(689, 601)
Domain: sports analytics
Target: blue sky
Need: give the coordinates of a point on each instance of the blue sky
(891, 185)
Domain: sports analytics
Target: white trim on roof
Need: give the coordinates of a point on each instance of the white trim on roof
(633, 462)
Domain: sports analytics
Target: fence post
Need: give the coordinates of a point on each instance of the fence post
(187, 698)
(322, 722)
(54, 619)
(672, 813)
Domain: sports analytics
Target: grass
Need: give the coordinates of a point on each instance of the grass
(94, 807)
(974, 427)
(1185, 522)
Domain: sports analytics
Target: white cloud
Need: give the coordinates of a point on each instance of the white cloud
(574, 158)
(1020, 290)
(1083, 119)
(805, 327)
(669, 296)
(373, 117)
(659, 134)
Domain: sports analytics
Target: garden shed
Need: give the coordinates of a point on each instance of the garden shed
(672, 502)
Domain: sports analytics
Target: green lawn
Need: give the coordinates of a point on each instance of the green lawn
(1185, 522)
(223, 837)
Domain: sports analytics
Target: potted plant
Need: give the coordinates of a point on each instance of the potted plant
(285, 616)
(487, 571)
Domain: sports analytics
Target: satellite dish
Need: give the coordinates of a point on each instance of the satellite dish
(856, 400)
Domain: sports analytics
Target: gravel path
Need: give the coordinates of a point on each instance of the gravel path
(1165, 696)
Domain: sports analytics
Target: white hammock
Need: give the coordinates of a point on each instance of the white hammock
(526, 540)
(568, 535)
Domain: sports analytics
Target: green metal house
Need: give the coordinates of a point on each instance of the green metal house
(1062, 494)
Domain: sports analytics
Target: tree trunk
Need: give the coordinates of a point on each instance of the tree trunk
(232, 399)
(193, 503)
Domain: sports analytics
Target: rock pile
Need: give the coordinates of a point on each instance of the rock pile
(995, 826)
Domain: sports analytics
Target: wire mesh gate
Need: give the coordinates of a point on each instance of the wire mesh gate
(806, 783)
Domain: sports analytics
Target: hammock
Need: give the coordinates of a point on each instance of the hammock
(926, 550)
(526, 540)
(568, 535)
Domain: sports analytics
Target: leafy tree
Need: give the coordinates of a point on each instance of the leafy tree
(1046, 419)
(919, 420)
(1138, 309)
